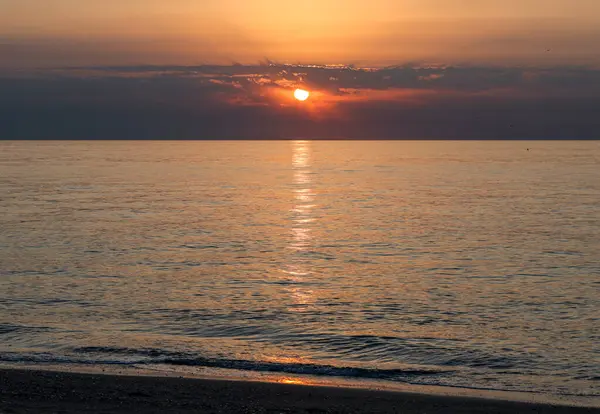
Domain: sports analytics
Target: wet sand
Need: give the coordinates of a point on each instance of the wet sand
(30, 391)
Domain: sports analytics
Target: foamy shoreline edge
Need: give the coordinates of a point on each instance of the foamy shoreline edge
(231, 379)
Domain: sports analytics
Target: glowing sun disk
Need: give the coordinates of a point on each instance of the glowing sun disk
(301, 94)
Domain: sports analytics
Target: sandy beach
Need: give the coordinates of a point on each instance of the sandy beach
(30, 391)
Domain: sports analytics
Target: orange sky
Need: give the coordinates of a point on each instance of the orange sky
(366, 32)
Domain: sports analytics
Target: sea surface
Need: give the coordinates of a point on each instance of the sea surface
(462, 264)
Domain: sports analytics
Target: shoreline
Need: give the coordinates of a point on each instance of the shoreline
(35, 389)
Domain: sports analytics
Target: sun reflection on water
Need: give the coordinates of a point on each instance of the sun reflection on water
(304, 198)
(296, 381)
(302, 220)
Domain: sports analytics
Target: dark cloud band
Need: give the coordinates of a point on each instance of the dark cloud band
(253, 102)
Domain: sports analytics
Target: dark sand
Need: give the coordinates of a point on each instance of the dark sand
(27, 391)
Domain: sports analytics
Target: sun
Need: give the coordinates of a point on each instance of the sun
(301, 94)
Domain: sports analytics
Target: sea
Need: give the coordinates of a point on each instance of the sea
(467, 264)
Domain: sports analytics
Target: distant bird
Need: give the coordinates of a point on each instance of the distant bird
(527, 149)
(547, 50)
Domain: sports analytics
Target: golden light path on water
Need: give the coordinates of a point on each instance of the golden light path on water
(298, 267)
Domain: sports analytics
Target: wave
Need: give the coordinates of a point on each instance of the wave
(122, 356)
(8, 328)
(98, 355)
(190, 359)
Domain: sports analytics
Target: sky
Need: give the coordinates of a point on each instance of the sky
(403, 69)
(366, 32)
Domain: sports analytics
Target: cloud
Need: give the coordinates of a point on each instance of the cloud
(255, 102)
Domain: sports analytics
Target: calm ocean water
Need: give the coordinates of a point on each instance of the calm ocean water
(471, 264)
